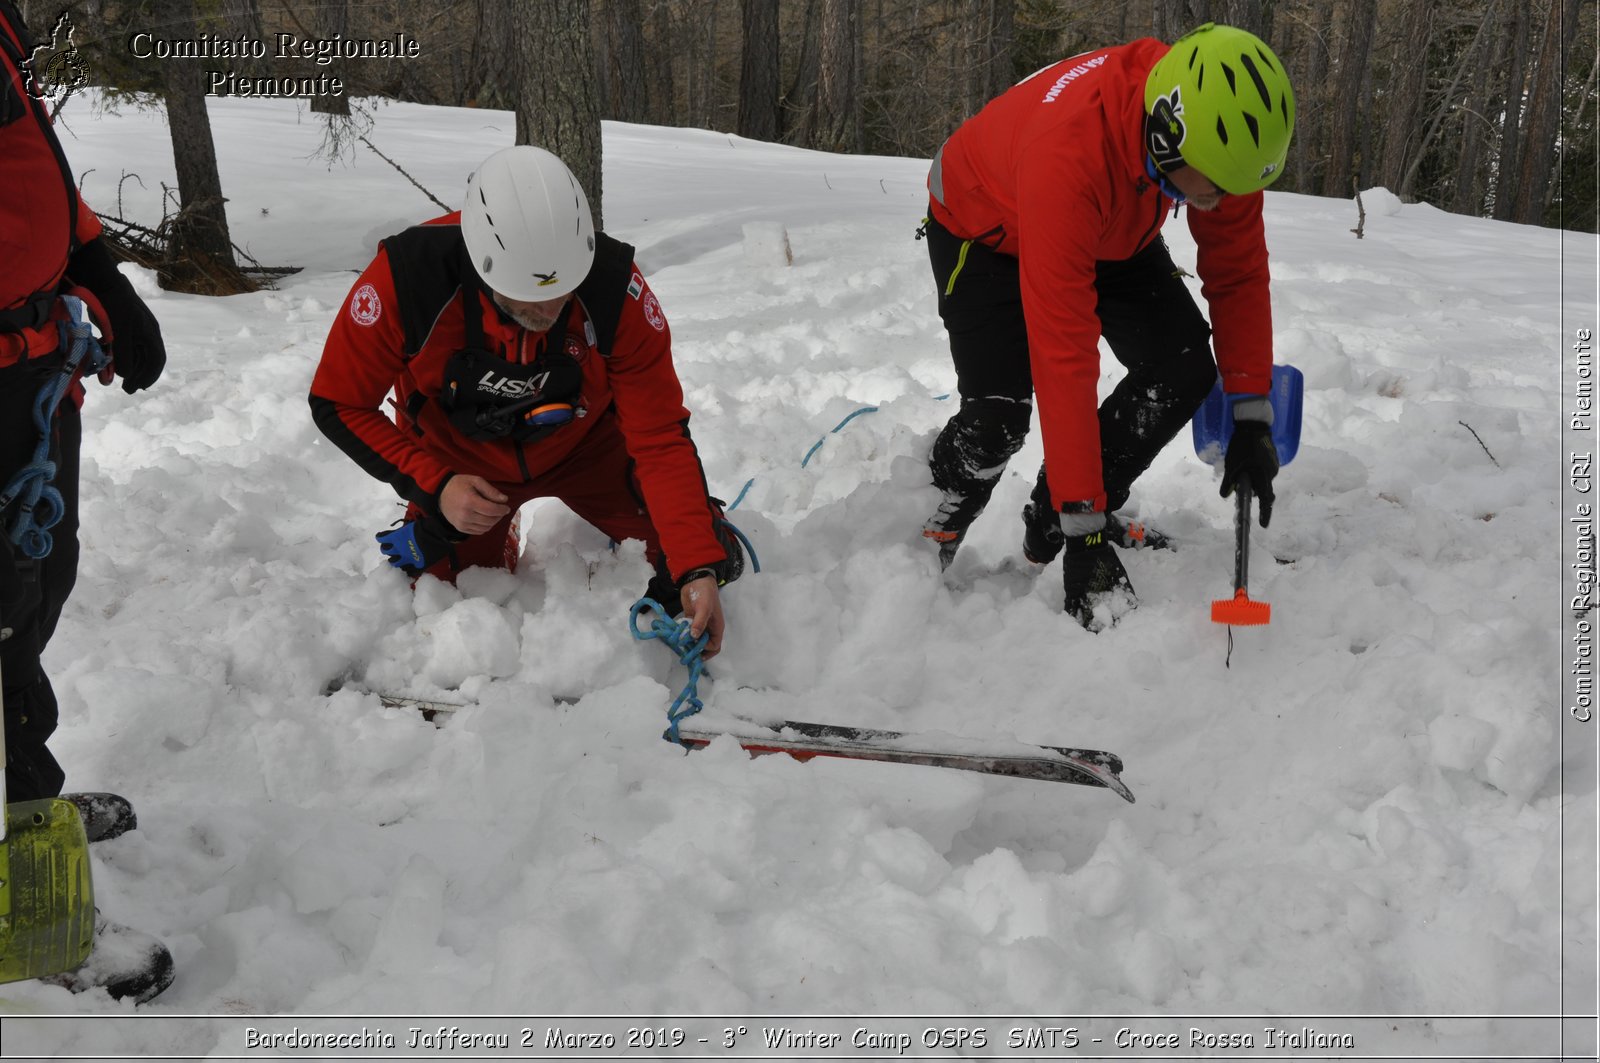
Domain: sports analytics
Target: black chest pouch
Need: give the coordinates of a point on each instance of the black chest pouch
(488, 397)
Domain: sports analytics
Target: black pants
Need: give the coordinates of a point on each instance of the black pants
(30, 703)
(1148, 318)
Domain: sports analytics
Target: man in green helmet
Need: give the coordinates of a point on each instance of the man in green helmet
(1044, 234)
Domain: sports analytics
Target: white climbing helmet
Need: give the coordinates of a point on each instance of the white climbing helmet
(527, 225)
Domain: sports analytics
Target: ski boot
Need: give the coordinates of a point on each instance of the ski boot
(105, 816)
(949, 524)
(126, 963)
(1042, 539)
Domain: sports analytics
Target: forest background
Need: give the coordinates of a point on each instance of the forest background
(1479, 107)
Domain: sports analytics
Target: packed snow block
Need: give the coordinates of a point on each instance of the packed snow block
(473, 637)
(766, 243)
(1381, 201)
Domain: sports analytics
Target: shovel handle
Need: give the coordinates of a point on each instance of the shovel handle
(1241, 536)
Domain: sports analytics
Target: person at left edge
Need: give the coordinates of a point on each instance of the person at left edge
(52, 248)
(529, 359)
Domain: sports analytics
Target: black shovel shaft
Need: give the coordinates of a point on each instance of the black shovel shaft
(1241, 535)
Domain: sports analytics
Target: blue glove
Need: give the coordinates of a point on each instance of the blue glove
(417, 545)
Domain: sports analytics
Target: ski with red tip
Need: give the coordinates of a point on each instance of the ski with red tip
(1083, 767)
(801, 740)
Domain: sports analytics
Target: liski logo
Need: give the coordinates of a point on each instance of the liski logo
(507, 387)
(55, 71)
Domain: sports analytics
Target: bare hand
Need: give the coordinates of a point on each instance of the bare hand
(702, 607)
(472, 504)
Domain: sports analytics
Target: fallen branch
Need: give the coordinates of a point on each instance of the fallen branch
(1481, 443)
(397, 166)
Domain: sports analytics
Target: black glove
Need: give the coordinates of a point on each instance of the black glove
(137, 352)
(732, 567)
(419, 544)
(1089, 566)
(1253, 458)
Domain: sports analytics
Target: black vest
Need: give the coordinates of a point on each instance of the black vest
(429, 265)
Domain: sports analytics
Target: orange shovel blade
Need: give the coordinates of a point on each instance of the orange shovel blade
(1240, 610)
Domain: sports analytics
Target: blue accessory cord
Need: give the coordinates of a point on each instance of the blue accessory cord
(675, 633)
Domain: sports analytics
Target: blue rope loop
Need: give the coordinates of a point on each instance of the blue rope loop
(675, 633)
(40, 505)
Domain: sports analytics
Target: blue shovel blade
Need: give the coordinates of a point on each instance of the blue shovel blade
(1213, 422)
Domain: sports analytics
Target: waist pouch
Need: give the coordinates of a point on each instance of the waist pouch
(487, 397)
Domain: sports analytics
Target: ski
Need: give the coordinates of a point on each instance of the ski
(1084, 767)
(803, 741)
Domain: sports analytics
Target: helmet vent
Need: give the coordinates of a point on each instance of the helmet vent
(1222, 132)
(1227, 72)
(1254, 127)
(1255, 76)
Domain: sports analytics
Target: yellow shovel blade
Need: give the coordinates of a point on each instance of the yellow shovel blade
(46, 894)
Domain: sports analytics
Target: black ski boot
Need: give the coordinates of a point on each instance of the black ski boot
(105, 816)
(126, 963)
(949, 523)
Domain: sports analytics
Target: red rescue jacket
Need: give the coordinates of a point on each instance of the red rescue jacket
(1052, 172)
(42, 221)
(400, 326)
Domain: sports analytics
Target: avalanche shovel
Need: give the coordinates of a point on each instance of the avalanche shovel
(1241, 609)
(1213, 428)
(46, 895)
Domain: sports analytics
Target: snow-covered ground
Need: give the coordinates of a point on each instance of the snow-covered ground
(1361, 815)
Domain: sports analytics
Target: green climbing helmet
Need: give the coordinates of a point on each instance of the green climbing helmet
(1220, 102)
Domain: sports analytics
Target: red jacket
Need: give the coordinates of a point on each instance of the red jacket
(42, 221)
(1052, 172)
(369, 351)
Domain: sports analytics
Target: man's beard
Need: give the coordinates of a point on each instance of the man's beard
(526, 319)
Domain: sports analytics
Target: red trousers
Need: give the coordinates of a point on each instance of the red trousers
(596, 482)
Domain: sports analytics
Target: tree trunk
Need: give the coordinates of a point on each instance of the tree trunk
(1402, 119)
(1171, 19)
(557, 106)
(663, 93)
(993, 43)
(1246, 15)
(493, 81)
(200, 230)
(1544, 115)
(838, 88)
(243, 19)
(1311, 100)
(758, 70)
(333, 17)
(804, 85)
(630, 96)
(700, 82)
(1344, 119)
(1486, 57)
(1509, 161)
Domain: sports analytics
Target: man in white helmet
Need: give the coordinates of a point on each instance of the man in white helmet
(529, 359)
